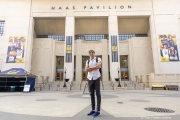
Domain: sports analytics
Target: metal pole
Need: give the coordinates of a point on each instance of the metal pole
(143, 86)
(64, 80)
(119, 85)
(134, 86)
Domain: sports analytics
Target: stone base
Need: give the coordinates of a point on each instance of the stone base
(119, 88)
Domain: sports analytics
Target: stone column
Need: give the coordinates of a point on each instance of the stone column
(78, 60)
(113, 46)
(69, 47)
(29, 46)
(105, 61)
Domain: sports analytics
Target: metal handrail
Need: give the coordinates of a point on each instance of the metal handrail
(112, 84)
(81, 85)
(102, 84)
(71, 83)
(140, 81)
(85, 87)
(51, 83)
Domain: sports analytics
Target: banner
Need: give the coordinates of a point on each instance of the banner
(69, 49)
(16, 49)
(168, 48)
(114, 48)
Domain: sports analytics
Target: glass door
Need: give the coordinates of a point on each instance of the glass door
(124, 67)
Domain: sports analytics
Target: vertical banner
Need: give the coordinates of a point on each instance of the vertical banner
(168, 48)
(16, 48)
(114, 48)
(69, 49)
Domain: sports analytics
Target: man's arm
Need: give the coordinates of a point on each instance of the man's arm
(98, 65)
(87, 69)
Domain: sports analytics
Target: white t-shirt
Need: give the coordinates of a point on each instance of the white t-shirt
(95, 74)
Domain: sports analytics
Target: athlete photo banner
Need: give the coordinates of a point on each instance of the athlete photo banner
(114, 48)
(168, 48)
(16, 49)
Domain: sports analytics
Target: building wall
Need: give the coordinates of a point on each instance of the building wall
(100, 47)
(91, 26)
(43, 57)
(18, 15)
(141, 59)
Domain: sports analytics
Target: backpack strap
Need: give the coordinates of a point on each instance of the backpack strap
(88, 62)
(97, 59)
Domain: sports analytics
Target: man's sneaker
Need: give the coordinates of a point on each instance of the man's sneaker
(96, 114)
(91, 113)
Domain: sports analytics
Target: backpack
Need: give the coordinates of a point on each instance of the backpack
(97, 62)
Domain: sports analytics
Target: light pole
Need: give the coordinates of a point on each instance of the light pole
(119, 85)
(64, 78)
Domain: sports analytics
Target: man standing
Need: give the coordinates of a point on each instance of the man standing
(92, 67)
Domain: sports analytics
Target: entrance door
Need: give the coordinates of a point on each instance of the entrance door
(84, 73)
(124, 67)
(59, 68)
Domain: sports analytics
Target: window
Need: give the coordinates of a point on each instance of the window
(129, 36)
(55, 37)
(2, 28)
(91, 37)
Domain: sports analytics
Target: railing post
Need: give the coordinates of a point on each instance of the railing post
(134, 86)
(49, 86)
(136, 78)
(58, 86)
(132, 83)
(40, 87)
(143, 86)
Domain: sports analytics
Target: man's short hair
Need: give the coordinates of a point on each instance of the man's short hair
(90, 51)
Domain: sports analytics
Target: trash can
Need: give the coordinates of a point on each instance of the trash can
(12, 89)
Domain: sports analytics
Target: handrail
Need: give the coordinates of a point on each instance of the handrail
(85, 87)
(102, 84)
(71, 83)
(51, 83)
(140, 81)
(131, 81)
(81, 85)
(112, 84)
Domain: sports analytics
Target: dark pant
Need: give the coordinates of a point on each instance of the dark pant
(94, 85)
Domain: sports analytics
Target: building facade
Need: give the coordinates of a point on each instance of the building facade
(137, 37)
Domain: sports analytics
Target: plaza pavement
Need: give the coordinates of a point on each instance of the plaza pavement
(74, 105)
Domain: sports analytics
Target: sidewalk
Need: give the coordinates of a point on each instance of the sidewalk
(116, 105)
